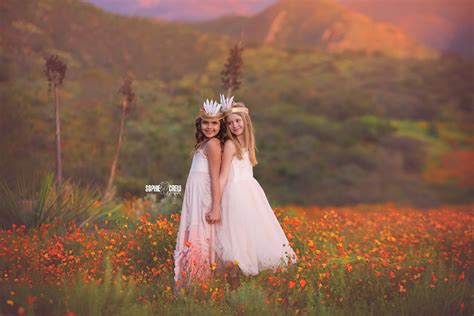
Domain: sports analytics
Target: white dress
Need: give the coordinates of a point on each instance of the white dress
(249, 232)
(194, 251)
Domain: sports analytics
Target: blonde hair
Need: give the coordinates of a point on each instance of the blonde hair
(249, 137)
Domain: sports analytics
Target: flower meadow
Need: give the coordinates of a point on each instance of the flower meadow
(357, 260)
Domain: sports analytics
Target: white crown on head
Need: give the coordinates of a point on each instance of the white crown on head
(211, 110)
(226, 103)
(228, 106)
(211, 107)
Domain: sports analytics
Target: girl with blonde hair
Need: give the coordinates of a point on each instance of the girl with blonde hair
(249, 234)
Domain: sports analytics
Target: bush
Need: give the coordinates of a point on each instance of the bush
(35, 202)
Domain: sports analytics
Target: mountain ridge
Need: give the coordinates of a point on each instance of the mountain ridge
(321, 24)
(445, 26)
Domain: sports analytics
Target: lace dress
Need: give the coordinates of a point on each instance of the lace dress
(194, 251)
(249, 232)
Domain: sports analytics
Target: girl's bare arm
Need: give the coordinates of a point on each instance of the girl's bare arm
(213, 152)
(229, 151)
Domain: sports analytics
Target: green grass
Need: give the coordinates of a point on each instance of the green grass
(419, 131)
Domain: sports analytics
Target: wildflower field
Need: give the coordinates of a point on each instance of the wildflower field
(373, 260)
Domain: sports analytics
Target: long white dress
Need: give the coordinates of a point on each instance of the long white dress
(194, 251)
(249, 232)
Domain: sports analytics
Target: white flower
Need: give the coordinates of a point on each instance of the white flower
(226, 103)
(211, 107)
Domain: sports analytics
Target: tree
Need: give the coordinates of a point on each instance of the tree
(231, 75)
(55, 71)
(127, 102)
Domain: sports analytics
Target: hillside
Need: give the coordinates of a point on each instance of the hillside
(86, 36)
(322, 24)
(443, 25)
(332, 128)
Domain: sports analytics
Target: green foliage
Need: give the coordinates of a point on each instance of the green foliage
(415, 130)
(166, 205)
(425, 299)
(33, 202)
(112, 296)
(109, 296)
(249, 299)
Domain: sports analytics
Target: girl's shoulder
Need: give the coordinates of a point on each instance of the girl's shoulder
(212, 144)
(229, 145)
(205, 144)
(229, 142)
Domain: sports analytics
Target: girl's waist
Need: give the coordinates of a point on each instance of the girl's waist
(203, 168)
(199, 173)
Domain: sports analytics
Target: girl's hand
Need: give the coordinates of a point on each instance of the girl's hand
(213, 217)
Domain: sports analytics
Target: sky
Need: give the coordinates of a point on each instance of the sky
(183, 9)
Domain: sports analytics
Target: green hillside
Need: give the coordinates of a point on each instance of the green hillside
(87, 37)
(327, 124)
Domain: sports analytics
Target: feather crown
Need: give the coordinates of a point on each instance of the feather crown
(228, 106)
(210, 110)
(226, 103)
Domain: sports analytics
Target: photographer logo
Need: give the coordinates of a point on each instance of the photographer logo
(164, 188)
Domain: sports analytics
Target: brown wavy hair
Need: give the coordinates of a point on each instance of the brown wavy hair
(249, 136)
(201, 139)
